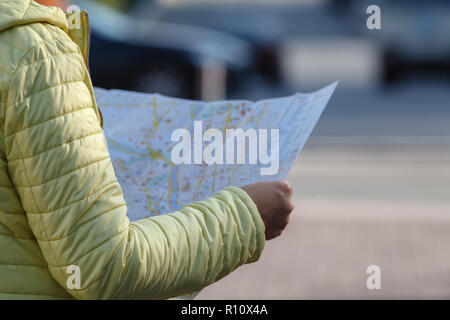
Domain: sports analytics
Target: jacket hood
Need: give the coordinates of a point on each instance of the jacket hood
(18, 12)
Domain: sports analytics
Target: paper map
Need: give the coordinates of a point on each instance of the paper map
(139, 130)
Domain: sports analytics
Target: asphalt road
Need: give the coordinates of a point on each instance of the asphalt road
(359, 202)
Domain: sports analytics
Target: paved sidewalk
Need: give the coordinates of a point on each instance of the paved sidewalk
(358, 202)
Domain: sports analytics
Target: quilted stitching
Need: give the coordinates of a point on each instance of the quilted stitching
(60, 201)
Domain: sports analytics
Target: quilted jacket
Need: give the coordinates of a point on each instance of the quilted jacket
(64, 232)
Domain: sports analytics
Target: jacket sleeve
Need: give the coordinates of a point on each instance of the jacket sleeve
(61, 169)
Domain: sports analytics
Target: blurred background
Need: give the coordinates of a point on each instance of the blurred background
(372, 185)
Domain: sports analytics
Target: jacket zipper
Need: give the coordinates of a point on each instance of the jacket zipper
(87, 48)
(87, 39)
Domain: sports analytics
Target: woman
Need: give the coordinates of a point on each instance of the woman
(62, 211)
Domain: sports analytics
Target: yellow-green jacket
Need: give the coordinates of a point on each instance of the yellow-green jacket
(60, 202)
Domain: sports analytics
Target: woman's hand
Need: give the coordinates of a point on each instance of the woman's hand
(274, 202)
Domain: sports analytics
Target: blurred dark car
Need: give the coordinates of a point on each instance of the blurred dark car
(263, 27)
(171, 59)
